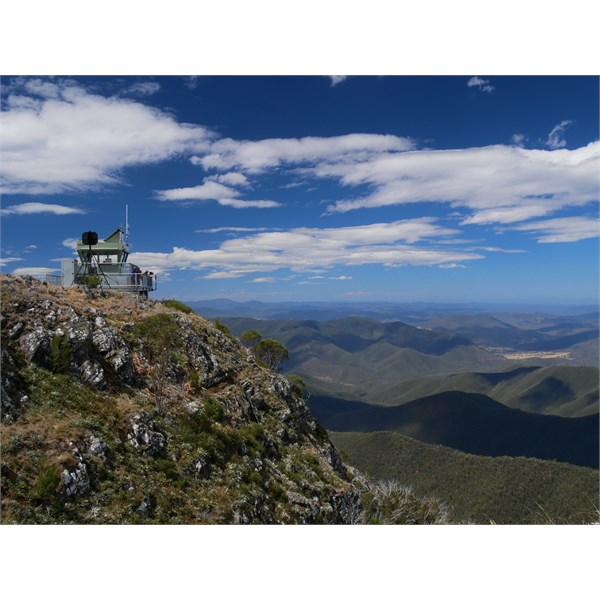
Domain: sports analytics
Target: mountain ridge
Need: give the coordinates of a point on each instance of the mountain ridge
(472, 423)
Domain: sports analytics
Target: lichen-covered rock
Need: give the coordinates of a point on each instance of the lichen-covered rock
(113, 350)
(97, 448)
(76, 482)
(92, 374)
(202, 355)
(35, 345)
(144, 437)
(11, 398)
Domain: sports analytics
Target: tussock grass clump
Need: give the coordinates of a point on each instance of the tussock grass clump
(177, 305)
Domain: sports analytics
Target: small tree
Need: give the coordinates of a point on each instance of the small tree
(250, 338)
(271, 353)
(298, 386)
(60, 354)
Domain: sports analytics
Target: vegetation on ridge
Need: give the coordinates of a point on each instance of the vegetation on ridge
(479, 488)
(152, 415)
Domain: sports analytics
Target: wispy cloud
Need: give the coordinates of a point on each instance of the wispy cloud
(263, 280)
(304, 249)
(234, 229)
(565, 229)
(259, 156)
(191, 81)
(212, 190)
(498, 184)
(144, 88)
(518, 139)
(556, 136)
(337, 79)
(481, 84)
(5, 261)
(44, 150)
(39, 272)
(36, 208)
(223, 275)
(70, 243)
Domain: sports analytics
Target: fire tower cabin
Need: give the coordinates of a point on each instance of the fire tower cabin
(103, 264)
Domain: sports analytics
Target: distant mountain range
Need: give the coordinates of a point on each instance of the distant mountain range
(473, 423)
(499, 327)
(558, 390)
(410, 312)
(343, 358)
(392, 363)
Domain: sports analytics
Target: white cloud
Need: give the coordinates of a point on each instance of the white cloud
(482, 84)
(341, 278)
(555, 137)
(258, 156)
(564, 229)
(497, 183)
(222, 275)
(211, 190)
(39, 272)
(234, 229)
(235, 179)
(191, 81)
(452, 266)
(518, 139)
(36, 208)
(70, 243)
(59, 137)
(5, 261)
(144, 88)
(263, 280)
(337, 79)
(304, 249)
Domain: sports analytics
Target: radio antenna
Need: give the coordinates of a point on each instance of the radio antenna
(127, 223)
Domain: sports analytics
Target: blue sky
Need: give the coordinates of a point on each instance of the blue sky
(404, 188)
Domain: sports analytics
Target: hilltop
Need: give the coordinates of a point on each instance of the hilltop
(120, 410)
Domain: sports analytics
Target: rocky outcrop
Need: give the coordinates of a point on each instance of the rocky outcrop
(11, 396)
(145, 438)
(127, 424)
(93, 350)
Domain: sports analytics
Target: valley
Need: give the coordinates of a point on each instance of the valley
(494, 413)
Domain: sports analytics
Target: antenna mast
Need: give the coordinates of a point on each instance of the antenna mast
(127, 223)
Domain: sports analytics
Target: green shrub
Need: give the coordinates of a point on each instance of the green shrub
(91, 281)
(298, 385)
(250, 338)
(177, 305)
(194, 381)
(270, 353)
(46, 485)
(223, 328)
(60, 354)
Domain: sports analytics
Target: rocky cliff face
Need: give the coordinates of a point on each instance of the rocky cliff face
(119, 410)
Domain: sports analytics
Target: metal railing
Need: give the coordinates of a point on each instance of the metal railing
(54, 279)
(125, 282)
